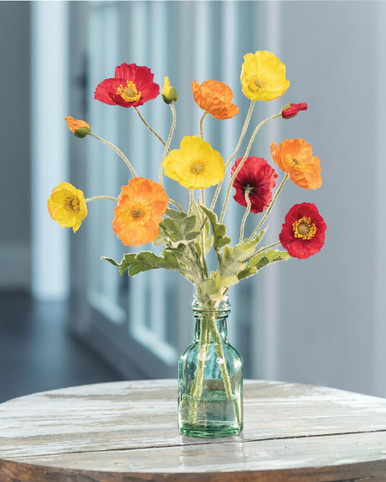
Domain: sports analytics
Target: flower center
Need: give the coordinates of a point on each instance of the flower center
(129, 92)
(304, 228)
(255, 84)
(197, 167)
(294, 163)
(139, 214)
(72, 204)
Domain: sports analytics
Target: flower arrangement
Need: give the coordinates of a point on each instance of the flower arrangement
(144, 213)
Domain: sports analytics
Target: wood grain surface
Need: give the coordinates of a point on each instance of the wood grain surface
(127, 431)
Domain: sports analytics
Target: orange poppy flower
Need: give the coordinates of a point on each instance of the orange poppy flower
(216, 98)
(79, 127)
(139, 211)
(294, 156)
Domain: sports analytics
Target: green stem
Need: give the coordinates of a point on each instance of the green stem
(247, 211)
(174, 203)
(239, 167)
(223, 368)
(200, 216)
(270, 206)
(241, 138)
(171, 132)
(191, 200)
(197, 387)
(202, 124)
(148, 126)
(89, 199)
(118, 151)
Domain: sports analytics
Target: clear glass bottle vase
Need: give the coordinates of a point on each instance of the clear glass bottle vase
(210, 376)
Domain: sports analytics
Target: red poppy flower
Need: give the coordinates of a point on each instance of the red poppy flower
(302, 234)
(293, 109)
(258, 178)
(132, 86)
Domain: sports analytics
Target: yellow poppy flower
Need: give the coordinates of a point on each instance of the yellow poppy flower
(263, 76)
(67, 206)
(196, 165)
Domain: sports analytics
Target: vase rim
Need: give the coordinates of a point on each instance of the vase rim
(205, 304)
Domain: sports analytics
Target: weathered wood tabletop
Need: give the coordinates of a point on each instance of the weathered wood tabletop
(127, 431)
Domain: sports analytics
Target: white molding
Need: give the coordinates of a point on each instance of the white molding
(15, 262)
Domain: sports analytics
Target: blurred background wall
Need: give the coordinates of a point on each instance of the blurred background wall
(15, 181)
(317, 321)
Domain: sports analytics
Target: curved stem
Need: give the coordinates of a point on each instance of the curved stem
(118, 151)
(239, 167)
(261, 250)
(242, 135)
(270, 206)
(147, 125)
(89, 199)
(202, 124)
(174, 203)
(171, 132)
(247, 211)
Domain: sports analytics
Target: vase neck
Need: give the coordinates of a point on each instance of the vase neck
(221, 325)
(210, 312)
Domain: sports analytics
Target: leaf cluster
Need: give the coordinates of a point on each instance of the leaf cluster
(185, 236)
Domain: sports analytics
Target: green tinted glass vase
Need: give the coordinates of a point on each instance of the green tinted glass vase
(210, 376)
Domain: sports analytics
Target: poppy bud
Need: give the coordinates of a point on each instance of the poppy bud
(291, 110)
(80, 128)
(169, 93)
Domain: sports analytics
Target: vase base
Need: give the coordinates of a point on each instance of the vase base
(213, 431)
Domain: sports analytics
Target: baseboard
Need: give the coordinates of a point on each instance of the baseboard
(15, 266)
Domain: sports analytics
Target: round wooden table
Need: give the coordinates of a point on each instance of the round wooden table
(128, 431)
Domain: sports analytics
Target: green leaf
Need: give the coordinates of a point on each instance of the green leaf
(259, 261)
(178, 227)
(219, 230)
(126, 262)
(175, 215)
(246, 273)
(110, 260)
(147, 260)
(234, 262)
(260, 235)
(267, 257)
(209, 243)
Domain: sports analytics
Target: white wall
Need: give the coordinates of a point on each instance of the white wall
(330, 312)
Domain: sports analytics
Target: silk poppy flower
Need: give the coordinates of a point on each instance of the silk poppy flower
(67, 206)
(263, 76)
(215, 97)
(80, 128)
(196, 165)
(257, 178)
(132, 86)
(293, 109)
(141, 205)
(294, 156)
(303, 232)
